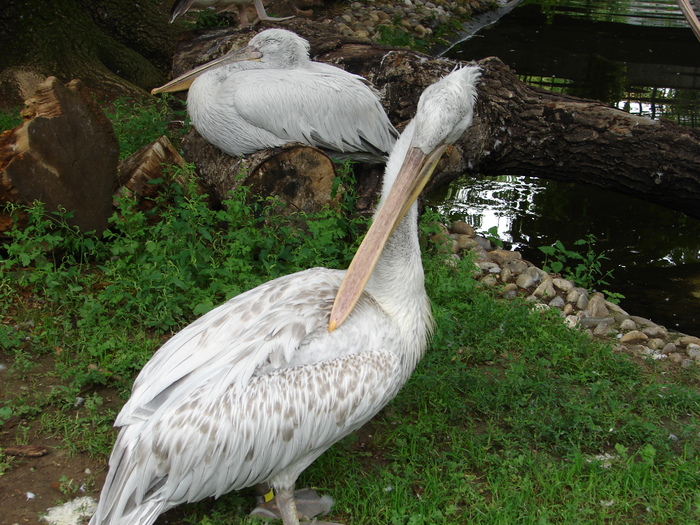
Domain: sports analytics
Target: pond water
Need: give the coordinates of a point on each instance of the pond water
(639, 56)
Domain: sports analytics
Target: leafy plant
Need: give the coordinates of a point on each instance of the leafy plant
(493, 236)
(139, 122)
(588, 272)
(5, 414)
(9, 119)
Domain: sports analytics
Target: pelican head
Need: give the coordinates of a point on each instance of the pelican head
(272, 48)
(445, 110)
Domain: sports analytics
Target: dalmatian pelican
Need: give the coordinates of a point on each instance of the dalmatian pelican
(258, 388)
(182, 6)
(270, 93)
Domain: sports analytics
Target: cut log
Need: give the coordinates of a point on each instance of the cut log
(139, 174)
(65, 155)
(300, 176)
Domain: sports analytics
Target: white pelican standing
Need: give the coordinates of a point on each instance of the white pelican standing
(182, 6)
(270, 93)
(258, 388)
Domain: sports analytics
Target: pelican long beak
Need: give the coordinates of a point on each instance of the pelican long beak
(415, 172)
(185, 81)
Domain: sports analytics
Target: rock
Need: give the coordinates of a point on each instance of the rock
(693, 351)
(509, 291)
(573, 296)
(635, 336)
(689, 339)
(488, 266)
(77, 172)
(463, 228)
(506, 274)
(484, 243)
(571, 321)
(675, 357)
(596, 306)
(595, 321)
(655, 331)
(568, 309)
(489, 280)
(655, 344)
(502, 257)
(525, 280)
(516, 266)
(557, 302)
(564, 285)
(615, 309)
(628, 325)
(545, 289)
(603, 329)
(669, 348)
(642, 321)
(582, 302)
(465, 242)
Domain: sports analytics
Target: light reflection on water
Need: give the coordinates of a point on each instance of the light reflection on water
(654, 252)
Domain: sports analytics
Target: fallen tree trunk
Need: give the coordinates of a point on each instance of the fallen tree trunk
(518, 130)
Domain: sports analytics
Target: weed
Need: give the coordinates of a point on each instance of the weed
(5, 462)
(138, 123)
(5, 414)
(588, 273)
(493, 236)
(9, 119)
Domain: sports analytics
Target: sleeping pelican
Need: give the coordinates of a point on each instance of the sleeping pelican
(182, 6)
(258, 388)
(270, 93)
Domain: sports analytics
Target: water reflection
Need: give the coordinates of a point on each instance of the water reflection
(634, 55)
(654, 252)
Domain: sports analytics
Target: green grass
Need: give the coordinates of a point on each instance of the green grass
(510, 418)
(9, 119)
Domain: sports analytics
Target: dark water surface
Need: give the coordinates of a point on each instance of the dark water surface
(636, 55)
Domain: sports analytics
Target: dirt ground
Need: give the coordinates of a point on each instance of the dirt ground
(33, 482)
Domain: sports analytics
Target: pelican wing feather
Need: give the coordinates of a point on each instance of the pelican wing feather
(342, 116)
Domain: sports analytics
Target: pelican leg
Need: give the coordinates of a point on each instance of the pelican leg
(287, 506)
(262, 14)
(243, 21)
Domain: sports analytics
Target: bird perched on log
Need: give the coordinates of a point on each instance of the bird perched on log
(182, 6)
(270, 93)
(258, 388)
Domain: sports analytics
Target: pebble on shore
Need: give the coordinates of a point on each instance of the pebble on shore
(580, 308)
(382, 20)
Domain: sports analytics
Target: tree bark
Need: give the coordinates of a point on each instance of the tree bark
(115, 47)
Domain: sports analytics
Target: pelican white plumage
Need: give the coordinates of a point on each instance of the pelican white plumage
(270, 93)
(182, 6)
(258, 388)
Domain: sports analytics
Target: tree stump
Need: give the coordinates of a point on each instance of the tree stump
(65, 155)
(138, 174)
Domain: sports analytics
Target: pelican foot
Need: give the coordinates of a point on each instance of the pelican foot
(308, 502)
